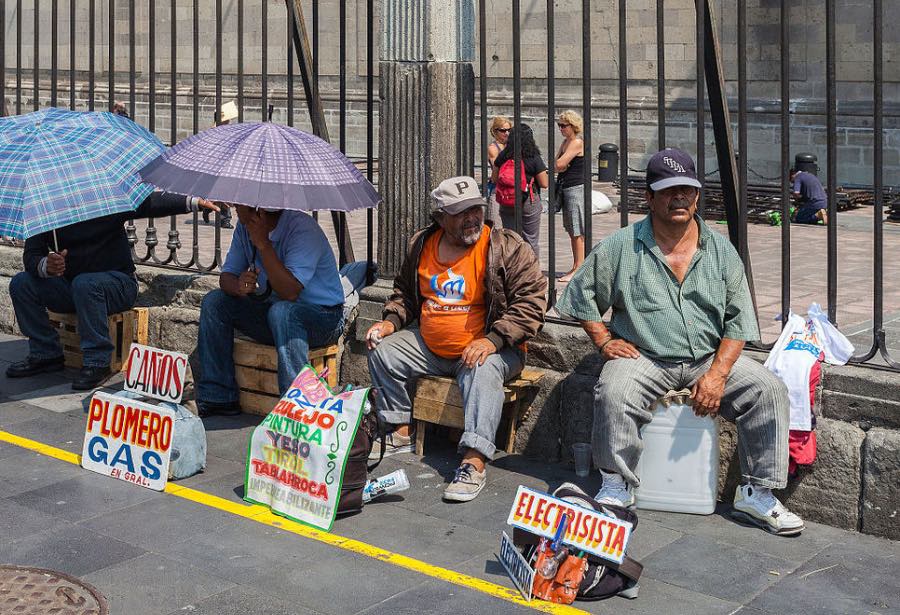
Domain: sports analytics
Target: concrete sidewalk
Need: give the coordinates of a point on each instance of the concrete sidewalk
(156, 553)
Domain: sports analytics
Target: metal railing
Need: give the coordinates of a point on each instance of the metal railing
(148, 90)
(178, 94)
(710, 102)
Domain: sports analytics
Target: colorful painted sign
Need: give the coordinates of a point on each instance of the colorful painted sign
(155, 373)
(128, 439)
(297, 455)
(596, 533)
(517, 567)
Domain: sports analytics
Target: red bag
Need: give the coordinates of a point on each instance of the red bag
(506, 183)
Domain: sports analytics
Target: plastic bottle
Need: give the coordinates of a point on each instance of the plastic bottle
(679, 467)
(394, 482)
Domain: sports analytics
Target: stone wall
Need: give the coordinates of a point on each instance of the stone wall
(854, 484)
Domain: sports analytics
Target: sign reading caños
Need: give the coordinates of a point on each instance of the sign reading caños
(297, 455)
(129, 440)
(539, 513)
(156, 373)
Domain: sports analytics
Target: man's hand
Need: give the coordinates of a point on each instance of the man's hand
(620, 349)
(56, 263)
(247, 282)
(257, 230)
(377, 332)
(707, 393)
(477, 352)
(207, 204)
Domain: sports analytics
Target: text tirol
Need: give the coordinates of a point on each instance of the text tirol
(129, 440)
(540, 514)
(156, 373)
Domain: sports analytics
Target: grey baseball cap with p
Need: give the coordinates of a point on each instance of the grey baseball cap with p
(671, 167)
(455, 195)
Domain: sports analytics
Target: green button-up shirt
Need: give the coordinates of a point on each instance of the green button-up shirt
(664, 319)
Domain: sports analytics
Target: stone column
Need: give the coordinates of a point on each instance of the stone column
(427, 88)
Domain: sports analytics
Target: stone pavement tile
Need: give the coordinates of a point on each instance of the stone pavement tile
(227, 486)
(12, 412)
(70, 549)
(443, 599)
(650, 537)
(153, 524)
(487, 512)
(65, 431)
(430, 539)
(860, 574)
(714, 568)
(277, 562)
(152, 585)
(659, 597)
(33, 385)
(85, 496)
(216, 468)
(12, 348)
(61, 397)
(22, 471)
(486, 565)
(241, 600)
(228, 437)
(17, 522)
(721, 528)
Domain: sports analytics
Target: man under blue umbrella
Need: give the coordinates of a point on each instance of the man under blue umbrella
(279, 285)
(85, 268)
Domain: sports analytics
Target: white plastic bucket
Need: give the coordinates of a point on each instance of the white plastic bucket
(680, 464)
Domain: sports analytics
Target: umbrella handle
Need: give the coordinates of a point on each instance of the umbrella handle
(55, 242)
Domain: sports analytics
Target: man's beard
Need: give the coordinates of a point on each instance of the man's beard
(470, 237)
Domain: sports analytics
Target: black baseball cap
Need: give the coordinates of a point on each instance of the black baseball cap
(671, 167)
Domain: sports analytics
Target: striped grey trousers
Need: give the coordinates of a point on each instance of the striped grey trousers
(755, 401)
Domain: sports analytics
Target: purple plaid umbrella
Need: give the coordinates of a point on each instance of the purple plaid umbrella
(262, 165)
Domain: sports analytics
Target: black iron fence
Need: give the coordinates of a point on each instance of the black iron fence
(147, 68)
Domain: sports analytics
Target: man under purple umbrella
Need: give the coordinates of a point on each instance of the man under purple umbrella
(84, 268)
(285, 255)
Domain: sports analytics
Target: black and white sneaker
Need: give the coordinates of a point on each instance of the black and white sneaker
(758, 506)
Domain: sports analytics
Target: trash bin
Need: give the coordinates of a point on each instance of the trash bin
(608, 162)
(806, 162)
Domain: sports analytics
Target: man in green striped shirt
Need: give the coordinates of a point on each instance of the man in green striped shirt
(681, 313)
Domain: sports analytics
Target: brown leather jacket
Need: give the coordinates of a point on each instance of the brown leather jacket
(515, 289)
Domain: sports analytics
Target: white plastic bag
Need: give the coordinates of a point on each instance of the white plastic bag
(600, 203)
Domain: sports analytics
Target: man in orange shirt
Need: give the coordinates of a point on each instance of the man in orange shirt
(478, 295)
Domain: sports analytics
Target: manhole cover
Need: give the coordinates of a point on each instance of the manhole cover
(37, 591)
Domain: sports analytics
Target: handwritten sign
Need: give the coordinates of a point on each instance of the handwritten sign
(156, 373)
(129, 440)
(517, 567)
(298, 453)
(586, 529)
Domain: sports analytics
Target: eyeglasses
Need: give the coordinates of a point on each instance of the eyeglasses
(503, 130)
(563, 125)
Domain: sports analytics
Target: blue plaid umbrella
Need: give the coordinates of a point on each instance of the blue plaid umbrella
(262, 165)
(59, 167)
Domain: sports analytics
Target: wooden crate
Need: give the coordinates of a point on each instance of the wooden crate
(124, 328)
(256, 371)
(438, 401)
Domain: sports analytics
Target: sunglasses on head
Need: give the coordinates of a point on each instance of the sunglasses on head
(504, 130)
(563, 124)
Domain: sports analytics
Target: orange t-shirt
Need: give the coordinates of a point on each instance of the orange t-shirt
(453, 310)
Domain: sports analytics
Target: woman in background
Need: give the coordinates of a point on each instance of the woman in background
(570, 184)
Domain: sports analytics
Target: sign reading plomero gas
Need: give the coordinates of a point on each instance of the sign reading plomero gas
(155, 373)
(596, 533)
(129, 440)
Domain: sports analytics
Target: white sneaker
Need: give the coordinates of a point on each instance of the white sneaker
(758, 506)
(614, 491)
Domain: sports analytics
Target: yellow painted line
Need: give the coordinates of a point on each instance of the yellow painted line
(261, 514)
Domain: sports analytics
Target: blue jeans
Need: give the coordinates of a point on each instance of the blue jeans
(92, 296)
(291, 326)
